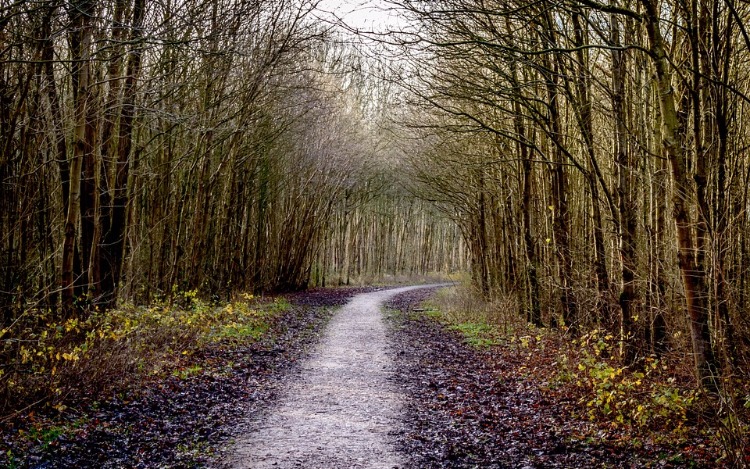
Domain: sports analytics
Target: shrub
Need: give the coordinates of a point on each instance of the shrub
(639, 396)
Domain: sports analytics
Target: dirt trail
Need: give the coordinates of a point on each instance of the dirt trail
(342, 411)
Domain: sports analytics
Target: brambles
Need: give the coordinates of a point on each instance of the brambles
(654, 400)
(523, 393)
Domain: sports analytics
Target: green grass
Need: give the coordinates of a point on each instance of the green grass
(478, 334)
(187, 372)
(12, 461)
(444, 309)
(46, 435)
(243, 331)
(433, 314)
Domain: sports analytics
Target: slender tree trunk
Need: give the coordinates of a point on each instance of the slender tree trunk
(114, 239)
(584, 114)
(80, 40)
(561, 220)
(532, 262)
(627, 203)
(693, 273)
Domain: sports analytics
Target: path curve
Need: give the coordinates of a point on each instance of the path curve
(342, 411)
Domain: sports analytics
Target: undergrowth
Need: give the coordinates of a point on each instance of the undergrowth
(656, 399)
(644, 396)
(54, 364)
(478, 334)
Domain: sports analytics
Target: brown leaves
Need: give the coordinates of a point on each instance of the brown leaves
(178, 420)
(502, 406)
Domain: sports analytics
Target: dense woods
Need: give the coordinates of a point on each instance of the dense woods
(153, 150)
(585, 161)
(594, 156)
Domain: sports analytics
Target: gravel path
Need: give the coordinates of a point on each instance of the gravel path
(342, 411)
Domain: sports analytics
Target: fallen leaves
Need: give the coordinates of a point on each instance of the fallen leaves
(494, 407)
(179, 420)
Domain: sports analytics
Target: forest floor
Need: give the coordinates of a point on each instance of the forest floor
(436, 402)
(498, 407)
(184, 419)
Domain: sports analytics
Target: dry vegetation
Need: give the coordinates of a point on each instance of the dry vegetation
(208, 146)
(656, 400)
(118, 351)
(585, 162)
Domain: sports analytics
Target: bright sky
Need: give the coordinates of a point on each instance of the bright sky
(364, 15)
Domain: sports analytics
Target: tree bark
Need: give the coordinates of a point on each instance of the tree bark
(693, 273)
(80, 39)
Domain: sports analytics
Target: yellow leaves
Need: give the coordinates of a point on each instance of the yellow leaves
(71, 324)
(25, 354)
(615, 372)
(621, 395)
(49, 355)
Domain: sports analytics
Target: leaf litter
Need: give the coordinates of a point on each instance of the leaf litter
(470, 407)
(465, 407)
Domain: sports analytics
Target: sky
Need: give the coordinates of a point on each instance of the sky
(364, 15)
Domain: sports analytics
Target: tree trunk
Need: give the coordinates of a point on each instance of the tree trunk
(80, 39)
(114, 238)
(626, 193)
(693, 273)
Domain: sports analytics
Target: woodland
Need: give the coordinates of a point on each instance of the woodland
(579, 165)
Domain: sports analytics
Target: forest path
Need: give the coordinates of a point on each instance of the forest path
(342, 410)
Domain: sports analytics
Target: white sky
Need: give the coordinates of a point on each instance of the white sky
(364, 15)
